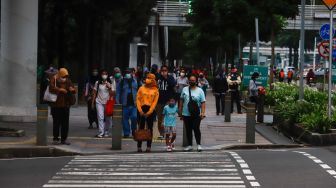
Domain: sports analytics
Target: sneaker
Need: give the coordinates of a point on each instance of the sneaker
(199, 148)
(188, 148)
(160, 137)
(90, 127)
(169, 148)
(106, 135)
(148, 150)
(65, 143)
(99, 136)
(139, 150)
(173, 146)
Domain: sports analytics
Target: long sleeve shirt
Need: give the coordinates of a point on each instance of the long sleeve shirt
(147, 96)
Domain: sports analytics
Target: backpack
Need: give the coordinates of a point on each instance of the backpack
(193, 106)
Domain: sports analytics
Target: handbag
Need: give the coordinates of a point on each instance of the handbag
(109, 106)
(142, 134)
(50, 97)
(193, 107)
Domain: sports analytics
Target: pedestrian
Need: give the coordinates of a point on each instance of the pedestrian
(169, 116)
(234, 81)
(219, 89)
(104, 89)
(88, 94)
(310, 77)
(61, 85)
(253, 89)
(126, 95)
(203, 83)
(181, 82)
(290, 74)
(281, 75)
(192, 114)
(166, 85)
(146, 101)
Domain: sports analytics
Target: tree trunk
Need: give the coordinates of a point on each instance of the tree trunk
(290, 56)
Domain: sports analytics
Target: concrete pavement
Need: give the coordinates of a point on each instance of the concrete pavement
(216, 134)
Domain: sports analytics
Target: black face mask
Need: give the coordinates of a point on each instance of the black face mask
(192, 83)
(201, 76)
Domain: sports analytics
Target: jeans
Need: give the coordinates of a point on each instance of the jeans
(220, 103)
(149, 120)
(129, 113)
(60, 121)
(235, 98)
(104, 122)
(192, 124)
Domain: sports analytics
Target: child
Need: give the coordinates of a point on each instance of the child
(169, 116)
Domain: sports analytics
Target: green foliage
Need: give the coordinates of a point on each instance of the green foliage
(311, 111)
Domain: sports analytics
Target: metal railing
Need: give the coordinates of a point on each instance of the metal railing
(172, 8)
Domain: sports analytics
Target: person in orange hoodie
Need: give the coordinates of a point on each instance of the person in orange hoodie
(146, 100)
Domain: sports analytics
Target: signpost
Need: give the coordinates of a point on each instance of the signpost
(250, 69)
(330, 4)
(325, 32)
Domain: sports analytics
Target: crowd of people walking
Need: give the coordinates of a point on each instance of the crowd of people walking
(146, 95)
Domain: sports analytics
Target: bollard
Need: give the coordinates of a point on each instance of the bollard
(261, 102)
(117, 127)
(250, 122)
(227, 112)
(185, 140)
(41, 124)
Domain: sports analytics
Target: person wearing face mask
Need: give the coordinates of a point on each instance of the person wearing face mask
(104, 89)
(126, 96)
(234, 81)
(61, 85)
(181, 82)
(166, 85)
(88, 94)
(203, 83)
(220, 87)
(192, 116)
(146, 101)
(169, 116)
(117, 77)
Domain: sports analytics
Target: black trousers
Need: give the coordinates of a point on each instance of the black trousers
(92, 114)
(60, 122)
(235, 97)
(220, 103)
(149, 120)
(192, 124)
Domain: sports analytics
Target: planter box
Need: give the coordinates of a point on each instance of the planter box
(299, 133)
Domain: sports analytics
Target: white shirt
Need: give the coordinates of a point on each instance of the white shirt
(103, 93)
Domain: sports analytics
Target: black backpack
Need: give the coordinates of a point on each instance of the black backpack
(193, 106)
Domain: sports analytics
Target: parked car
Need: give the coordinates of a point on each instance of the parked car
(320, 71)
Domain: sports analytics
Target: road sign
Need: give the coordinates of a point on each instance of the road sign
(323, 49)
(330, 4)
(250, 69)
(324, 32)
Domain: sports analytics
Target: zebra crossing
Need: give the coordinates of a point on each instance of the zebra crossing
(206, 169)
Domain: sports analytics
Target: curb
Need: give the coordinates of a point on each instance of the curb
(38, 151)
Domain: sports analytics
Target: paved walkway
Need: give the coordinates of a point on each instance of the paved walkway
(215, 133)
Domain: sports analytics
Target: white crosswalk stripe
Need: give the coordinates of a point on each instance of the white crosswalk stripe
(206, 169)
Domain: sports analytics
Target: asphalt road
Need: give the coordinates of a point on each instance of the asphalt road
(288, 168)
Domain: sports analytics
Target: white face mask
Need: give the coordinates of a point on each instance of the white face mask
(104, 77)
(182, 74)
(63, 79)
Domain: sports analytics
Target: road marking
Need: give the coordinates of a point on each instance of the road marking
(206, 169)
(153, 185)
(246, 171)
(319, 162)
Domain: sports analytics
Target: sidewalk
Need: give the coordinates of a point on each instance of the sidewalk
(215, 134)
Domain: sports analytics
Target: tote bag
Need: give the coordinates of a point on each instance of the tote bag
(109, 106)
(49, 97)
